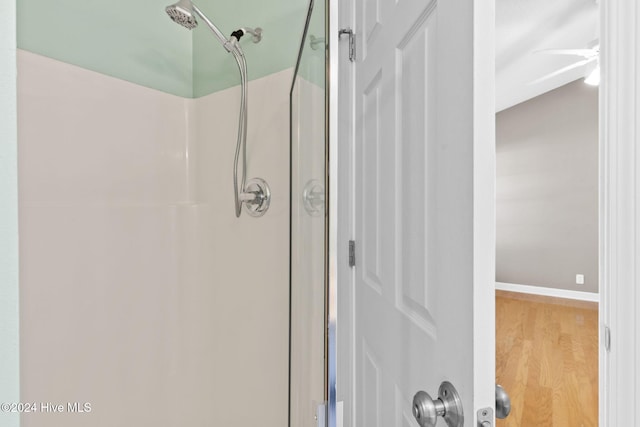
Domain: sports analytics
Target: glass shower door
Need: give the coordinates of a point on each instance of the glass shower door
(307, 392)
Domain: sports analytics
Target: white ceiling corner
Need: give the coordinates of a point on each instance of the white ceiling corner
(526, 26)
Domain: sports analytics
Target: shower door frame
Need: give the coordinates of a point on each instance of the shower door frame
(325, 409)
(341, 205)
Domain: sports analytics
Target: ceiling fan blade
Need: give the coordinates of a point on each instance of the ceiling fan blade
(586, 53)
(563, 70)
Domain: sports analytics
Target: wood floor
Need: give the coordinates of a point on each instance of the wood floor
(547, 360)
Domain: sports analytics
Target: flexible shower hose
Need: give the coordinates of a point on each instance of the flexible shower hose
(241, 145)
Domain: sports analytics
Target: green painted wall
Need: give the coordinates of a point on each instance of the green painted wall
(9, 315)
(136, 41)
(132, 40)
(282, 22)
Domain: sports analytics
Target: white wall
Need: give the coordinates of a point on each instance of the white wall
(141, 292)
(9, 355)
(547, 190)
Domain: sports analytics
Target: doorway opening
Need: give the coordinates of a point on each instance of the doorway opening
(547, 204)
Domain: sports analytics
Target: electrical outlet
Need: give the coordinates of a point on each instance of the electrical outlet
(579, 279)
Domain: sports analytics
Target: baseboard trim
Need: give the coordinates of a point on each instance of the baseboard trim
(548, 292)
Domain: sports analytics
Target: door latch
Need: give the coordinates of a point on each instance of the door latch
(485, 417)
(503, 408)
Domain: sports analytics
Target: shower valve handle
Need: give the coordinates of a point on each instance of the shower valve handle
(256, 197)
(252, 197)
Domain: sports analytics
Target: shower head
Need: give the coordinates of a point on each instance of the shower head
(183, 14)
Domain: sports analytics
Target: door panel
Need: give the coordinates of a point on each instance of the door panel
(414, 89)
(417, 282)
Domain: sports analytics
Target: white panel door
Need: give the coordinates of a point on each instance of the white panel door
(424, 309)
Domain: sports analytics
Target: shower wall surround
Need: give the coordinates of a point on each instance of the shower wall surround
(244, 262)
(141, 293)
(9, 354)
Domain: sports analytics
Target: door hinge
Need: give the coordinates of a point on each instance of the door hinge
(352, 42)
(352, 253)
(607, 338)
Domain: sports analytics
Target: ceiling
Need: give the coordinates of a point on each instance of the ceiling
(524, 27)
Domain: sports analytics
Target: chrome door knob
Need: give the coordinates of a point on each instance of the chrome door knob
(503, 402)
(426, 410)
(448, 405)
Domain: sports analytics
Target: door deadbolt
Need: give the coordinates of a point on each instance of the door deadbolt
(448, 405)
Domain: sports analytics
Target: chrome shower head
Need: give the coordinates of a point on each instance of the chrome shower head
(183, 14)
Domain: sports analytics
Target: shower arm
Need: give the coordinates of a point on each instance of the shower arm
(226, 43)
